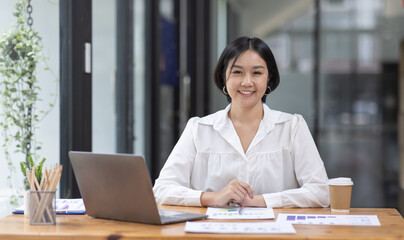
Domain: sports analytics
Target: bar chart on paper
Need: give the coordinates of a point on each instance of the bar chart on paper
(353, 220)
(246, 213)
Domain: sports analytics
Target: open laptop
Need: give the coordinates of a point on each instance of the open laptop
(118, 186)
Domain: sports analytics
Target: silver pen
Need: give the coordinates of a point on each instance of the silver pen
(240, 210)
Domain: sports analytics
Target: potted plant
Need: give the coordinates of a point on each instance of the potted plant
(20, 55)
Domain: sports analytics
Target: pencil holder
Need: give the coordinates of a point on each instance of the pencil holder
(42, 205)
(26, 204)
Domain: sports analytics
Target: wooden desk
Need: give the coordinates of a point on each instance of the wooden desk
(83, 227)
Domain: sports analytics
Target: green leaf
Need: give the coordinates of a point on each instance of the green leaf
(23, 167)
(31, 162)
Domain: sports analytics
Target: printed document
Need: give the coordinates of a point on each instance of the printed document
(239, 227)
(245, 213)
(352, 220)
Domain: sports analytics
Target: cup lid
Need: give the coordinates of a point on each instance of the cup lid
(340, 181)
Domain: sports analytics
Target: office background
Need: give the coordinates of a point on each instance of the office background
(152, 64)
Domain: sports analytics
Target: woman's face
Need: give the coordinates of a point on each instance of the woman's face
(246, 82)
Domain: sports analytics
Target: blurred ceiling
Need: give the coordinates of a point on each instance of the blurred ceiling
(261, 17)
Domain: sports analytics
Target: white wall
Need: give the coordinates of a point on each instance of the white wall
(46, 22)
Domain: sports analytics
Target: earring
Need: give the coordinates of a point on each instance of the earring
(224, 90)
(270, 90)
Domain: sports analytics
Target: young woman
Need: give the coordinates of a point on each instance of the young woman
(247, 153)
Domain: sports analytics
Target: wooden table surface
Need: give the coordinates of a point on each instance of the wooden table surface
(83, 227)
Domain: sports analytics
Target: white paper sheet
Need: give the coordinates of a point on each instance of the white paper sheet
(239, 227)
(353, 220)
(70, 205)
(64, 206)
(247, 213)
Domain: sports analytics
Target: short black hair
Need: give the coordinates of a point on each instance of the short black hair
(235, 49)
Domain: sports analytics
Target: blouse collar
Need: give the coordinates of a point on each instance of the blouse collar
(223, 125)
(221, 119)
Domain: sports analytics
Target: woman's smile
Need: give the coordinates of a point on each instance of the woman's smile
(246, 93)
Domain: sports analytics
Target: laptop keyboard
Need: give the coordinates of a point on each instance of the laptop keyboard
(169, 215)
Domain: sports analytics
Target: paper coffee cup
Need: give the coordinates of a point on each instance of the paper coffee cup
(340, 194)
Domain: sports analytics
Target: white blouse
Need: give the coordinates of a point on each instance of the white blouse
(282, 162)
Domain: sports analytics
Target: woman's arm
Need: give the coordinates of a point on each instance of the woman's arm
(309, 171)
(173, 185)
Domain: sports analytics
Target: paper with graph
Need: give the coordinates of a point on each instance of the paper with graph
(245, 213)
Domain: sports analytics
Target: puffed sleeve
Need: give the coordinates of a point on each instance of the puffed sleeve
(309, 170)
(173, 185)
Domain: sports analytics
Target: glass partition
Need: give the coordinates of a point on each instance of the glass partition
(359, 81)
(104, 73)
(139, 77)
(359, 43)
(104, 67)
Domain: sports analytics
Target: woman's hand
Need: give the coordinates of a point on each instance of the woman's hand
(257, 201)
(235, 192)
